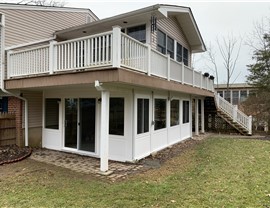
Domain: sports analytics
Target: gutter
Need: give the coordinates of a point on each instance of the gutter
(2, 86)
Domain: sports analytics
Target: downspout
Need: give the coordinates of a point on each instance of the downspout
(2, 86)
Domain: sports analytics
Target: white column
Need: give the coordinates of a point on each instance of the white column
(250, 125)
(196, 117)
(116, 44)
(104, 131)
(202, 116)
(52, 57)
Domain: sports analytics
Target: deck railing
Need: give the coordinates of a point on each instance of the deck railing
(109, 49)
(234, 113)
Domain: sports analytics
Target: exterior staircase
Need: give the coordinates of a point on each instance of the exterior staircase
(233, 116)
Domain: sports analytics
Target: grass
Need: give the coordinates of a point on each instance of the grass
(218, 172)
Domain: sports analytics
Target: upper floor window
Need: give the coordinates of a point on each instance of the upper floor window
(185, 58)
(165, 45)
(170, 47)
(161, 42)
(179, 52)
(138, 33)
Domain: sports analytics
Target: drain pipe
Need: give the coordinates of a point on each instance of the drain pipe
(2, 87)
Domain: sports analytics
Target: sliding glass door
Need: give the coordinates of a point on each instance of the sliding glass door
(80, 117)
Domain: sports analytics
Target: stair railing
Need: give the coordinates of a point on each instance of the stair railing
(234, 113)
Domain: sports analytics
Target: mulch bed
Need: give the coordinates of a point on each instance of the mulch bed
(13, 153)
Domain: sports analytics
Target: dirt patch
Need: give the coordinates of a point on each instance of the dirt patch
(13, 153)
(157, 159)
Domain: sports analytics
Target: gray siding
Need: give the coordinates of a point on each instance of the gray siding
(23, 26)
(34, 107)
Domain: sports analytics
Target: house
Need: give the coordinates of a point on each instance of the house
(26, 25)
(119, 88)
(237, 92)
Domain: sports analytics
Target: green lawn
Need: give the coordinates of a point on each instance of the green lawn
(218, 172)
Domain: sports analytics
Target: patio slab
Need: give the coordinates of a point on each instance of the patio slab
(85, 164)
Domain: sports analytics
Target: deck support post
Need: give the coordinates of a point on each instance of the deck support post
(196, 117)
(104, 133)
(202, 116)
(104, 127)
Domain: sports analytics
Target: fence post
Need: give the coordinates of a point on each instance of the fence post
(249, 125)
(235, 109)
(149, 60)
(52, 57)
(116, 44)
(169, 67)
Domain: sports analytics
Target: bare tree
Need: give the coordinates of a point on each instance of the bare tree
(255, 39)
(211, 56)
(229, 49)
(58, 3)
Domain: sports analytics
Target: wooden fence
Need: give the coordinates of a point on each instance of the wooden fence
(7, 129)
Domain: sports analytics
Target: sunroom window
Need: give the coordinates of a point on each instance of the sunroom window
(116, 117)
(185, 111)
(174, 112)
(142, 115)
(52, 113)
(160, 114)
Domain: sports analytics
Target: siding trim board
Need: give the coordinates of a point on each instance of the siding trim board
(113, 75)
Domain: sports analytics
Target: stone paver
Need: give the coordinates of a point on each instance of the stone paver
(85, 164)
(90, 165)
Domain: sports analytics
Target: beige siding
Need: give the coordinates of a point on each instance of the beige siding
(23, 26)
(34, 107)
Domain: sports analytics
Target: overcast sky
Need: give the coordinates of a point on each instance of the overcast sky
(214, 19)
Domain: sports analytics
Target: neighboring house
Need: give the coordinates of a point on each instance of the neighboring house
(119, 88)
(22, 25)
(237, 93)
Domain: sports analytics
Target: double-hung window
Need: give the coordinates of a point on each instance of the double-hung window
(185, 57)
(161, 42)
(170, 47)
(179, 53)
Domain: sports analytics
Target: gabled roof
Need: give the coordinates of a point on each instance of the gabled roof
(183, 15)
(45, 8)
